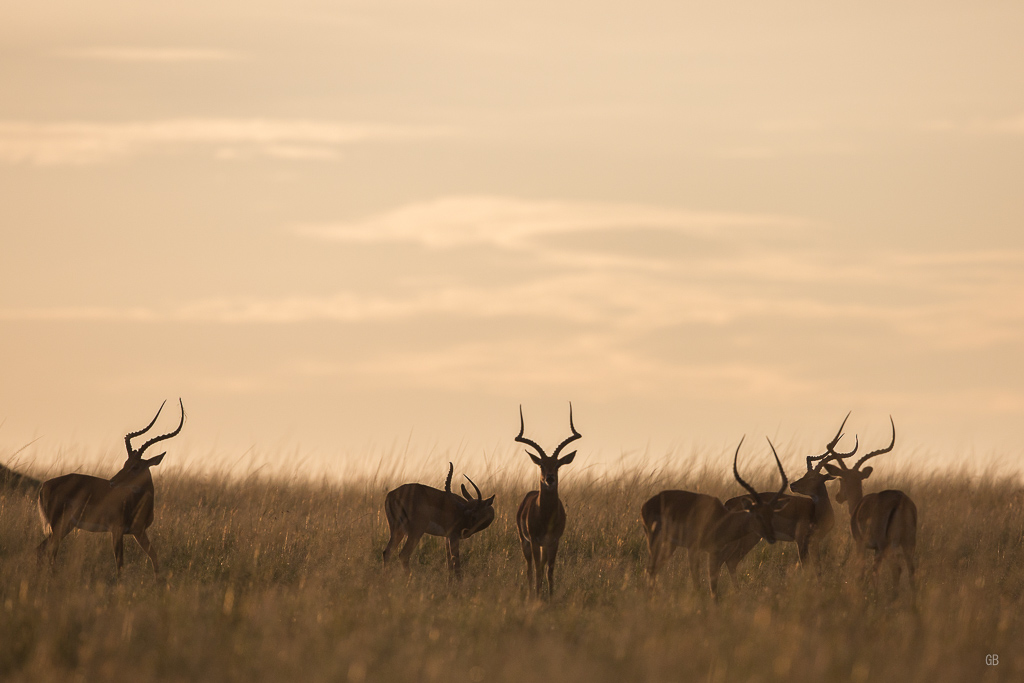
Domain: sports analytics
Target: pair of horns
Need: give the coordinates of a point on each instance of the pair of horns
(533, 444)
(137, 452)
(465, 493)
(748, 487)
(830, 454)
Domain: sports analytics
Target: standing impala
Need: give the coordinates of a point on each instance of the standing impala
(701, 524)
(119, 505)
(415, 509)
(880, 521)
(802, 521)
(541, 516)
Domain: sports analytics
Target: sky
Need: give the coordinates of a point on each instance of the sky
(342, 231)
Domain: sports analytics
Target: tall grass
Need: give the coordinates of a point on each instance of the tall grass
(269, 580)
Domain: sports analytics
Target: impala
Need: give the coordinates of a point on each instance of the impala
(701, 524)
(416, 509)
(120, 505)
(802, 521)
(881, 521)
(541, 516)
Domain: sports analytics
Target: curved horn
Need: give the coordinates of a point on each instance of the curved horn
(785, 480)
(575, 435)
(529, 442)
(881, 450)
(477, 488)
(131, 435)
(736, 473)
(829, 447)
(156, 439)
(448, 481)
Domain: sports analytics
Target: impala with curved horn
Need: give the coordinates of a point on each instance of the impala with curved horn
(120, 505)
(802, 521)
(413, 510)
(881, 521)
(701, 524)
(541, 516)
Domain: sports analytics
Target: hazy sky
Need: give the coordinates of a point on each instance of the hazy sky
(338, 228)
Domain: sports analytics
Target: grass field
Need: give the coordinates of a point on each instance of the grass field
(282, 581)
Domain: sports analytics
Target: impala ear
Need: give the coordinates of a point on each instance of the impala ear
(566, 459)
(155, 460)
(465, 494)
(747, 503)
(536, 460)
(865, 473)
(833, 470)
(489, 501)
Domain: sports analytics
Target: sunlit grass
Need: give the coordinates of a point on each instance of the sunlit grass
(282, 580)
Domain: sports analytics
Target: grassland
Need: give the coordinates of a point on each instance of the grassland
(282, 581)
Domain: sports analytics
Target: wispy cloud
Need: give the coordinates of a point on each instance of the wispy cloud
(513, 223)
(77, 142)
(158, 55)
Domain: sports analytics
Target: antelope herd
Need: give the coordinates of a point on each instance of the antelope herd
(712, 531)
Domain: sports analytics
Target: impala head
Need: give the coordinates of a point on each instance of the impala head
(548, 464)
(851, 486)
(761, 512)
(135, 471)
(478, 513)
(810, 484)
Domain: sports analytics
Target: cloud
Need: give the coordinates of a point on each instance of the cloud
(80, 143)
(513, 223)
(165, 55)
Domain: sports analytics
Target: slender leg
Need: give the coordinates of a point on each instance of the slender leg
(538, 561)
(453, 553)
(528, 553)
(410, 545)
(58, 530)
(694, 556)
(397, 534)
(550, 553)
(117, 536)
(147, 547)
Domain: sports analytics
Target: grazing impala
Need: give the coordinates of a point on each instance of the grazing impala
(701, 524)
(415, 509)
(881, 521)
(120, 505)
(541, 515)
(802, 521)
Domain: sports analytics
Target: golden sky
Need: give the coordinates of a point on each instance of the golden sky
(339, 228)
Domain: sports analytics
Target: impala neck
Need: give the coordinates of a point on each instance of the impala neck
(548, 499)
(854, 492)
(823, 512)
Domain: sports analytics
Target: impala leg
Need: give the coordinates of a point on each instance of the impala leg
(410, 545)
(454, 566)
(538, 561)
(51, 544)
(118, 537)
(397, 534)
(549, 556)
(693, 556)
(147, 547)
(528, 554)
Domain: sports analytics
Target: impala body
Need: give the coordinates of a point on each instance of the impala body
(413, 510)
(702, 524)
(120, 505)
(540, 519)
(884, 522)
